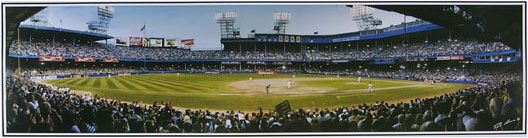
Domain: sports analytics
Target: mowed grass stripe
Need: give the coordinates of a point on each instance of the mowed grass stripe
(126, 84)
(91, 82)
(142, 84)
(83, 82)
(179, 79)
(97, 83)
(177, 88)
(111, 84)
(173, 86)
(73, 81)
(104, 83)
(183, 83)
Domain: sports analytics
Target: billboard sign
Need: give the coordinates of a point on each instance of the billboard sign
(298, 39)
(156, 42)
(135, 41)
(110, 60)
(51, 58)
(286, 38)
(187, 42)
(84, 59)
(170, 43)
(145, 42)
(121, 42)
(292, 39)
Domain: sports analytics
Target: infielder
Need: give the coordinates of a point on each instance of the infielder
(359, 79)
(289, 84)
(250, 79)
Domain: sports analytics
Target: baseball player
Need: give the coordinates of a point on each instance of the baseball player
(370, 87)
(359, 79)
(267, 88)
(289, 84)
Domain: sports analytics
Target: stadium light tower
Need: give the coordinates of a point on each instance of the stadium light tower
(364, 18)
(104, 15)
(227, 24)
(281, 19)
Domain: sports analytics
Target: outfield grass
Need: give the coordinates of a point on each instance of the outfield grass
(204, 90)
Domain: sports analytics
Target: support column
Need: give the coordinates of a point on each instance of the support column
(185, 66)
(53, 41)
(341, 47)
(239, 49)
(265, 50)
(284, 50)
(30, 39)
(73, 42)
(357, 46)
(240, 67)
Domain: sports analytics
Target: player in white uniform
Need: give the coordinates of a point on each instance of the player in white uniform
(109, 75)
(359, 79)
(289, 84)
(250, 79)
(370, 87)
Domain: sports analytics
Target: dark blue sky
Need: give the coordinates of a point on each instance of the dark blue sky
(198, 22)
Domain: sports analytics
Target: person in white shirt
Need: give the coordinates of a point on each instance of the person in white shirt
(289, 84)
(359, 79)
(370, 87)
(250, 79)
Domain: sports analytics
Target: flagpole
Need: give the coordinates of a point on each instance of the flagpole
(144, 57)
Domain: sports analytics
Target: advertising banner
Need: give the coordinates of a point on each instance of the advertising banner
(298, 39)
(187, 42)
(84, 59)
(286, 38)
(121, 42)
(145, 41)
(156, 42)
(110, 60)
(170, 43)
(292, 39)
(135, 41)
(280, 38)
(51, 58)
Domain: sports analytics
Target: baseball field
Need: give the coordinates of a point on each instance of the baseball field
(237, 92)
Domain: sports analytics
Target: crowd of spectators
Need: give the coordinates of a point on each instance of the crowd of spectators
(71, 71)
(33, 107)
(444, 47)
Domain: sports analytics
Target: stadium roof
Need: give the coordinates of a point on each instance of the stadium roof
(15, 15)
(67, 32)
(489, 22)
